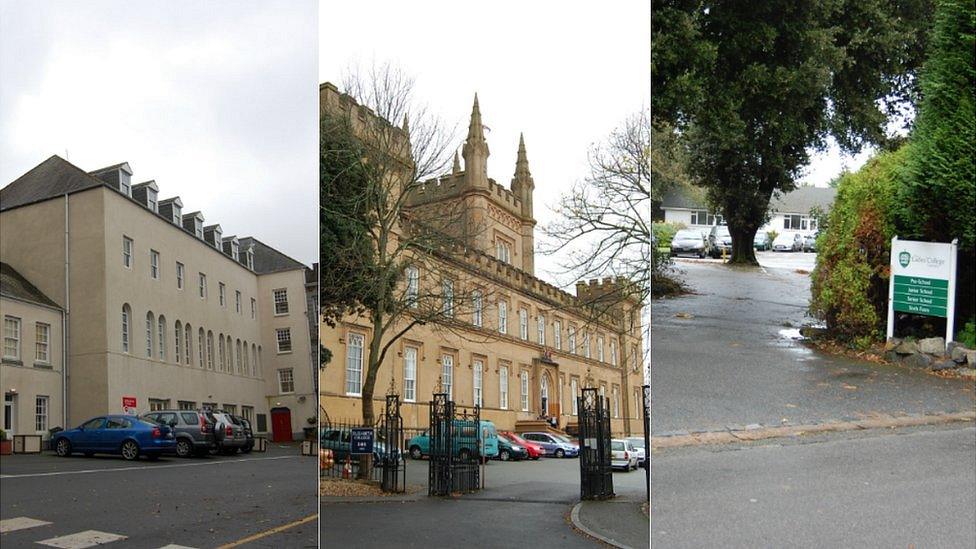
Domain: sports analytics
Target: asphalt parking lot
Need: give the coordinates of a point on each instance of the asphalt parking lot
(255, 500)
(523, 502)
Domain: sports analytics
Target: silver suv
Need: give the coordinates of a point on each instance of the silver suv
(194, 431)
(229, 432)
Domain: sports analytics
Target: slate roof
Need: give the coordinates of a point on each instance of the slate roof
(800, 201)
(267, 259)
(53, 177)
(13, 284)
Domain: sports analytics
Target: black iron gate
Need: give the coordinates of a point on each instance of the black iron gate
(596, 475)
(646, 407)
(455, 447)
(392, 460)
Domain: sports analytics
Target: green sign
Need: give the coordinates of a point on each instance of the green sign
(921, 296)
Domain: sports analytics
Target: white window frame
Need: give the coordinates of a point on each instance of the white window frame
(154, 264)
(478, 306)
(150, 328)
(279, 297)
(410, 355)
(599, 349)
(586, 344)
(413, 286)
(161, 323)
(42, 407)
(557, 329)
(12, 337)
(523, 324)
(503, 316)
(203, 286)
(571, 336)
(354, 364)
(574, 387)
(477, 393)
(222, 294)
(180, 273)
(42, 342)
(282, 380)
(447, 375)
(613, 352)
(540, 329)
(524, 390)
(447, 295)
(237, 301)
(503, 387)
(503, 251)
(615, 401)
(254, 307)
(127, 259)
(279, 339)
(126, 328)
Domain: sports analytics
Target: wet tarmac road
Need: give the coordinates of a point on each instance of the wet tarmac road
(728, 356)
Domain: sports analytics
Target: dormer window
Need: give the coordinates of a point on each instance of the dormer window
(151, 200)
(198, 229)
(177, 214)
(250, 259)
(217, 233)
(235, 250)
(125, 186)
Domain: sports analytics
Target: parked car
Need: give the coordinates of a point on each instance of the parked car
(193, 430)
(810, 243)
(553, 444)
(719, 241)
(622, 455)
(229, 432)
(510, 450)
(127, 436)
(248, 434)
(638, 443)
(761, 241)
(788, 242)
(534, 449)
(689, 241)
(465, 444)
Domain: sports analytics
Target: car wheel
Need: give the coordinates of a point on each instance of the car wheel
(560, 453)
(183, 448)
(504, 455)
(63, 448)
(415, 452)
(130, 450)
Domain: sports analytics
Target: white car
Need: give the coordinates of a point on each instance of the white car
(623, 455)
(788, 242)
(638, 443)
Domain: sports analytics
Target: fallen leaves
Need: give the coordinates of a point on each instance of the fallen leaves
(684, 315)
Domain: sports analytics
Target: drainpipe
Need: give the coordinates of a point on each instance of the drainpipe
(64, 321)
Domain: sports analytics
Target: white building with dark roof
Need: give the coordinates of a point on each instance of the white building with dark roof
(159, 306)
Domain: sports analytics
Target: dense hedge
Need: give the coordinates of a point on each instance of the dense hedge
(664, 232)
(850, 281)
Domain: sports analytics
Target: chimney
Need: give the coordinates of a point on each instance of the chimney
(172, 209)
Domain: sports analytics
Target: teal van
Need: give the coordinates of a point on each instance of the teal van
(465, 444)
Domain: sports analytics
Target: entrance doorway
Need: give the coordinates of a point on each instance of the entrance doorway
(280, 425)
(545, 395)
(10, 413)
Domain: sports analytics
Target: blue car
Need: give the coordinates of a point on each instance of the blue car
(127, 436)
(553, 444)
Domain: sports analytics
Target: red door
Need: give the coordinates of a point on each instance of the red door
(281, 425)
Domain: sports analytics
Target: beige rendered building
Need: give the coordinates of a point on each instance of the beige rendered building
(523, 352)
(160, 308)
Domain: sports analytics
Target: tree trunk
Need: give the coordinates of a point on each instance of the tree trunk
(743, 252)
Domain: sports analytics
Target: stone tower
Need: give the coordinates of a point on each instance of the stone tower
(475, 151)
(523, 186)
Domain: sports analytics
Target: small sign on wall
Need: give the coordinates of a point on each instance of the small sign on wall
(129, 405)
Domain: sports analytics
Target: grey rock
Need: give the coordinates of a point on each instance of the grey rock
(907, 347)
(892, 356)
(944, 365)
(958, 353)
(918, 360)
(892, 343)
(971, 357)
(932, 345)
(952, 345)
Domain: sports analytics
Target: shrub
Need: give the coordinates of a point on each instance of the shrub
(850, 282)
(967, 336)
(664, 232)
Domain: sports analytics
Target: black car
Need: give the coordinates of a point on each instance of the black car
(508, 450)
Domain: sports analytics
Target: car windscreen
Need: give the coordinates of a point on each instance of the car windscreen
(687, 234)
(722, 230)
(616, 446)
(637, 442)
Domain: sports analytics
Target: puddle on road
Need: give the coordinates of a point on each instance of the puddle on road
(788, 339)
(791, 333)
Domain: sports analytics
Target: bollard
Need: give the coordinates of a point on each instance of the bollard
(347, 469)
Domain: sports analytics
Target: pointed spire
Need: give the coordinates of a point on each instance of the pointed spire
(476, 130)
(456, 169)
(475, 151)
(522, 161)
(406, 124)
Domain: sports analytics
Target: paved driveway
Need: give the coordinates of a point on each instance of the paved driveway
(728, 355)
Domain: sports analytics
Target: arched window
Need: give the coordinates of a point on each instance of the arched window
(238, 349)
(178, 342)
(220, 349)
(230, 354)
(126, 326)
(162, 337)
(150, 326)
(201, 347)
(210, 350)
(258, 361)
(247, 363)
(189, 344)
(254, 359)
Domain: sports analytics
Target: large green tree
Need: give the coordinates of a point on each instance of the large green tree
(754, 87)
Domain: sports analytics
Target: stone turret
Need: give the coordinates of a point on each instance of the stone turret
(475, 150)
(456, 168)
(522, 183)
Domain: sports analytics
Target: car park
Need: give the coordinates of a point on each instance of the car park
(761, 241)
(510, 450)
(193, 430)
(638, 443)
(622, 455)
(229, 432)
(553, 444)
(128, 436)
(534, 449)
(788, 242)
(719, 241)
(689, 242)
(465, 441)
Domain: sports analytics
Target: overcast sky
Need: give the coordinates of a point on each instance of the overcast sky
(217, 101)
(564, 73)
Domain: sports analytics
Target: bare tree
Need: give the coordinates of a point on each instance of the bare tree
(414, 272)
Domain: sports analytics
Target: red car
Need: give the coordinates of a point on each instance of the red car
(535, 450)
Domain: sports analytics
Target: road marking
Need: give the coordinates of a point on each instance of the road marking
(20, 523)
(81, 540)
(173, 466)
(272, 531)
(175, 546)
